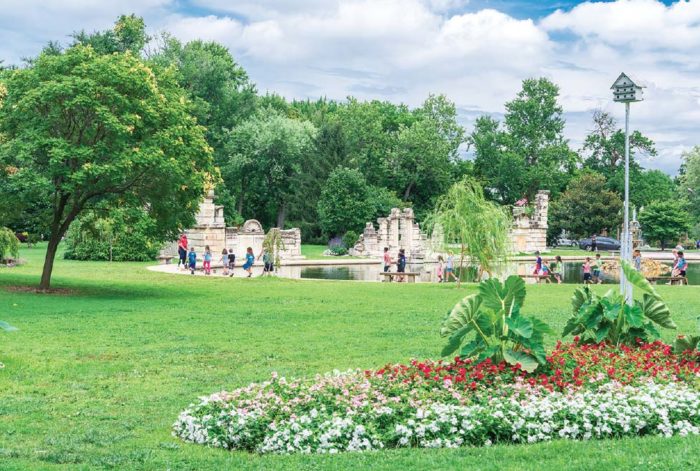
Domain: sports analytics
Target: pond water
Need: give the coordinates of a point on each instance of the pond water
(571, 271)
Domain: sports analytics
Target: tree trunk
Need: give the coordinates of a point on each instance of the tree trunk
(407, 192)
(55, 239)
(281, 215)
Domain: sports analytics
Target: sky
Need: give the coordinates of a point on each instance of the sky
(477, 52)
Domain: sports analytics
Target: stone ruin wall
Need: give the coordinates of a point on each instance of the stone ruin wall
(210, 229)
(397, 231)
(529, 232)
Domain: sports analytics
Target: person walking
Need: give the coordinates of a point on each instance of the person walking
(249, 260)
(224, 261)
(681, 265)
(401, 264)
(594, 243)
(192, 259)
(387, 260)
(450, 267)
(182, 252)
(231, 262)
(587, 271)
(268, 266)
(440, 269)
(555, 267)
(206, 265)
(596, 268)
(538, 264)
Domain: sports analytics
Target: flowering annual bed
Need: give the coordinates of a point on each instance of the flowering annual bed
(584, 392)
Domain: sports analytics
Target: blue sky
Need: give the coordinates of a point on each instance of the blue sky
(475, 51)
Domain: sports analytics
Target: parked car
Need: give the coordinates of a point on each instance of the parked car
(565, 242)
(602, 243)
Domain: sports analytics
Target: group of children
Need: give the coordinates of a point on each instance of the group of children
(545, 268)
(446, 270)
(188, 260)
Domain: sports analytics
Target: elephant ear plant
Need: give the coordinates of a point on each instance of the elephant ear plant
(500, 331)
(610, 319)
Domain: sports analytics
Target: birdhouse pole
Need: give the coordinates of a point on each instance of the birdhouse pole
(626, 91)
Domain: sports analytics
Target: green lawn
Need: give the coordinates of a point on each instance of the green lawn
(315, 252)
(95, 377)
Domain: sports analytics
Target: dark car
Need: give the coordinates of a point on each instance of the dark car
(602, 243)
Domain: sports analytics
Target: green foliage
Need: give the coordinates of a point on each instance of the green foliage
(463, 216)
(350, 238)
(128, 34)
(664, 221)
(274, 245)
(9, 244)
(123, 235)
(690, 181)
(609, 318)
(529, 153)
(683, 343)
(345, 202)
(93, 130)
(585, 208)
(501, 332)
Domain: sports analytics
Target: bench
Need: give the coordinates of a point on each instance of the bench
(539, 278)
(165, 259)
(682, 280)
(410, 277)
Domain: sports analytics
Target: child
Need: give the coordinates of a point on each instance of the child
(637, 257)
(681, 265)
(182, 252)
(439, 268)
(268, 266)
(555, 268)
(401, 264)
(224, 261)
(587, 271)
(545, 271)
(450, 267)
(538, 264)
(596, 266)
(387, 260)
(192, 259)
(249, 260)
(231, 261)
(207, 260)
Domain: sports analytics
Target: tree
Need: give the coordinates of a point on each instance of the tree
(345, 203)
(586, 207)
(9, 244)
(128, 34)
(664, 221)
(265, 159)
(528, 153)
(103, 130)
(690, 180)
(463, 216)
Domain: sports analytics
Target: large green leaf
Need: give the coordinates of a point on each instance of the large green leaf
(592, 316)
(455, 340)
(637, 279)
(541, 327)
(657, 311)
(683, 344)
(462, 314)
(580, 297)
(602, 333)
(520, 326)
(502, 296)
(527, 362)
(633, 315)
(472, 348)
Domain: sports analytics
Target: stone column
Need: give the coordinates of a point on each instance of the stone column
(394, 231)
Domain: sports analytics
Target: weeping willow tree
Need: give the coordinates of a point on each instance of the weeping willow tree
(274, 245)
(464, 218)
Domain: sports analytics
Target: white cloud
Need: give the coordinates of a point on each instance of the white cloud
(402, 50)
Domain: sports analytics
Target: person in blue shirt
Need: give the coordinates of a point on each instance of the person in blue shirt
(401, 263)
(249, 260)
(192, 260)
(681, 264)
(207, 260)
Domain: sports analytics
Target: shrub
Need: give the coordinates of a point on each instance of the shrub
(609, 318)
(349, 239)
(9, 244)
(501, 333)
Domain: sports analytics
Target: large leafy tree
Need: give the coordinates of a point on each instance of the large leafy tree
(690, 180)
(265, 160)
(92, 129)
(128, 34)
(345, 203)
(585, 208)
(528, 152)
(664, 222)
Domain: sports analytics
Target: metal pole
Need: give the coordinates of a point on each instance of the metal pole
(626, 252)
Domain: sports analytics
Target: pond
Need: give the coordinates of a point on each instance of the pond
(571, 271)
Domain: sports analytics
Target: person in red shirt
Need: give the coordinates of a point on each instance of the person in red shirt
(387, 260)
(182, 251)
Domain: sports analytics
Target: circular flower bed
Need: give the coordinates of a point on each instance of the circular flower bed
(584, 392)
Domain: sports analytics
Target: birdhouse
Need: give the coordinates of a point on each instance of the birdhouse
(625, 90)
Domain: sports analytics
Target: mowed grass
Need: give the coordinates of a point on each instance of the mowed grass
(97, 374)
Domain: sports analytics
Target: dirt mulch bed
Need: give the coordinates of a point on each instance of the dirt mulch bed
(35, 290)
